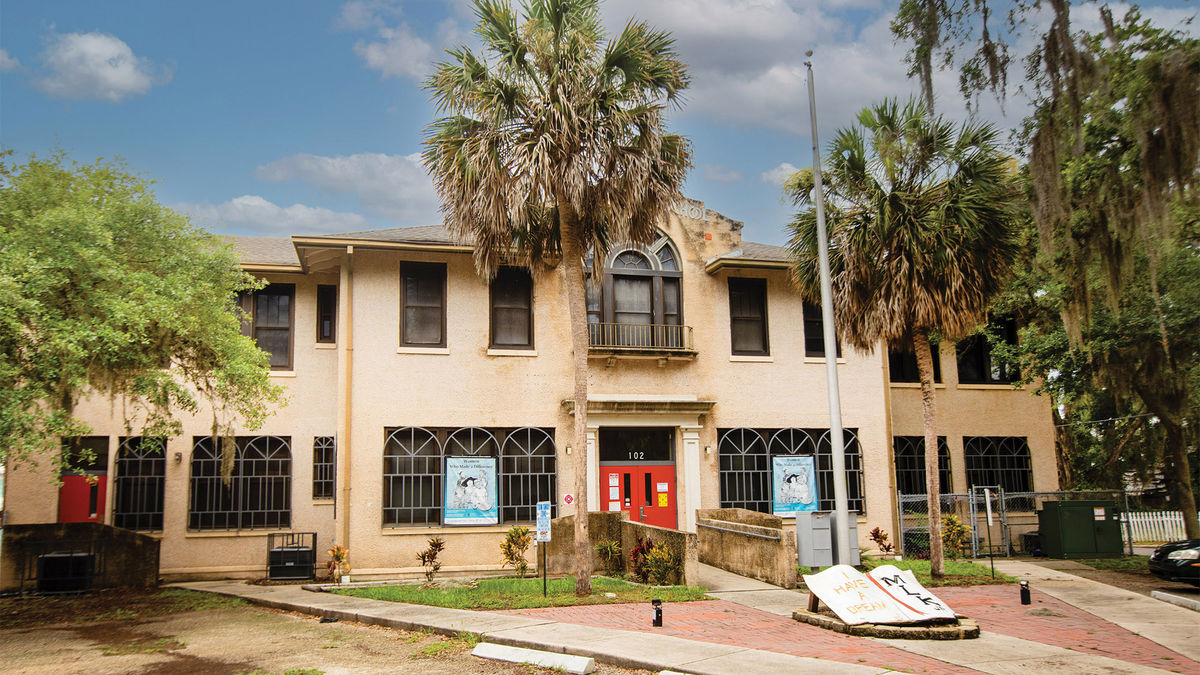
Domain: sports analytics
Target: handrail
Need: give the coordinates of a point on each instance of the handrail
(654, 336)
(748, 534)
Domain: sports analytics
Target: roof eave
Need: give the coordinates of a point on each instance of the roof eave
(717, 264)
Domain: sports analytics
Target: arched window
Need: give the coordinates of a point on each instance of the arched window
(638, 302)
(141, 472)
(412, 478)
(528, 474)
(744, 457)
(259, 493)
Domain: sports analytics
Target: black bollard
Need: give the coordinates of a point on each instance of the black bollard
(1025, 600)
(657, 622)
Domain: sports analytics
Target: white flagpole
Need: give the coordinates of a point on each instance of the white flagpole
(841, 505)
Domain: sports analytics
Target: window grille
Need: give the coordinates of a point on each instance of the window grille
(258, 495)
(528, 475)
(323, 467)
(744, 457)
(141, 473)
(909, 453)
(998, 460)
(413, 467)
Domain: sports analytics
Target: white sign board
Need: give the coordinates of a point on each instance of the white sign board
(543, 522)
(987, 499)
(886, 595)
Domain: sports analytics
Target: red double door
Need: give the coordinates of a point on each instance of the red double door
(645, 491)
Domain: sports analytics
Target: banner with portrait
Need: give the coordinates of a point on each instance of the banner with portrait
(793, 484)
(470, 491)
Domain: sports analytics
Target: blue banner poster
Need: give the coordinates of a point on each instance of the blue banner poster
(793, 484)
(471, 491)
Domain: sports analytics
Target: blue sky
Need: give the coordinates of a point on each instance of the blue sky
(278, 118)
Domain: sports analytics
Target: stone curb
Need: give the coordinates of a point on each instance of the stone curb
(965, 629)
(1178, 600)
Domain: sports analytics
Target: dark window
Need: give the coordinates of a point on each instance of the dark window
(85, 456)
(1001, 461)
(902, 366)
(744, 457)
(748, 316)
(638, 302)
(423, 304)
(512, 309)
(270, 313)
(620, 445)
(977, 364)
(323, 463)
(814, 332)
(327, 313)
(141, 472)
(258, 495)
(909, 453)
(413, 464)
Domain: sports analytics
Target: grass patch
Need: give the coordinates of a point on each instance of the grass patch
(525, 594)
(1131, 564)
(957, 572)
(107, 605)
(161, 645)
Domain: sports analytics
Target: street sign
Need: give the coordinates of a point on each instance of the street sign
(987, 500)
(543, 522)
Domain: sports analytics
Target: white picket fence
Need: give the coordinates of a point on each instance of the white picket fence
(1155, 526)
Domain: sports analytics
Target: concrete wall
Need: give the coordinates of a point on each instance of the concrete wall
(748, 543)
(615, 526)
(130, 560)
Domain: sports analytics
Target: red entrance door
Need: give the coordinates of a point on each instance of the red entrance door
(646, 492)
(84, 481)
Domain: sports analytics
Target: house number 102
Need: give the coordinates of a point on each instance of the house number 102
(637, 455)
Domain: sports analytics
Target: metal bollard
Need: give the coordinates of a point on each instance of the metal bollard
(657, 621)
(1025, 600)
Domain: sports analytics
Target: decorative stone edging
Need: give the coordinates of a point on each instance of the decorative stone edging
(963, 629)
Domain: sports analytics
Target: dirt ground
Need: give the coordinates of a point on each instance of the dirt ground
(1140, 582)
(242, 639)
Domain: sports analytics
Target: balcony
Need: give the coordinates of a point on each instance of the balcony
(640, 340)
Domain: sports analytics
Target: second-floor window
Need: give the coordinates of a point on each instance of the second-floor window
(814, 332)
(423, 304)
(902, 366)
(327, 313)
(976, 362)
(639, 302)
(748, 316)
(512, 309)
(270, 311)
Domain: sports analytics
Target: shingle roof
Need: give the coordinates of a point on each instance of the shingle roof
(756, 251)
(419, 234)
(265, 250)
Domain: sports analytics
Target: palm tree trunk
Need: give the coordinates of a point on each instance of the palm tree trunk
(932, 484)
(577, 302)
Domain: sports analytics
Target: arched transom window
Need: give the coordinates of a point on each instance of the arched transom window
(638, 302)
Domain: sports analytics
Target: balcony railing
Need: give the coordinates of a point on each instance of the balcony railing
(640, 337)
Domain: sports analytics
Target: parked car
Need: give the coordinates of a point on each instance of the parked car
(1177, 561)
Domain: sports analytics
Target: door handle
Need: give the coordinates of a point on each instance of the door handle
(642, 510)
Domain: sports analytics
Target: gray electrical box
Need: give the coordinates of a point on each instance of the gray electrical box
(814, 538)
(852, 556)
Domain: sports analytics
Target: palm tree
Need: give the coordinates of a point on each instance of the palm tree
(922, 233)
(557, 146)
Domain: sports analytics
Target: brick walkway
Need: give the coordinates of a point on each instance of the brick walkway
(996, 608)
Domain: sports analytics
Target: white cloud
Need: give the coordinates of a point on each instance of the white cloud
(251, 214)
(391, 186)
(720, 174)
(8, 63)
(364, 14)
(96, 66)
(399, 52)
(778, 175)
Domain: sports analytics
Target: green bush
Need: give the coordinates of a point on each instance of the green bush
(516, 542)
(610, 552)
(637, 559)
(663, 564)
(956, 537)
(428, 557)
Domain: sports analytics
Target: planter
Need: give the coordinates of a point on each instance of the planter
(345, 579)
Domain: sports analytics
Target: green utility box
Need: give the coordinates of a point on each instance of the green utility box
(1083, 529)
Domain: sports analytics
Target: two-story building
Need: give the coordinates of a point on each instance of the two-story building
(416, 386)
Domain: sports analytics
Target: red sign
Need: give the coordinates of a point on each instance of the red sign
(568, 498)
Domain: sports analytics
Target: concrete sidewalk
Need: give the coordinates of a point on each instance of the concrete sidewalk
(748, 629)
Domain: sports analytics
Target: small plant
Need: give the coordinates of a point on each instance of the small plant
(610, 552)
(663, 564)
(339, 562)
(516, 542)
(637, 559)
(428, 557)
(881, 541)
(956, 537)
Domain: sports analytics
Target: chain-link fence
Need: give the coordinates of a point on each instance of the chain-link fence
(1009, 528)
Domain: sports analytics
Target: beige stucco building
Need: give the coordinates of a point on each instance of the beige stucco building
(416, 387)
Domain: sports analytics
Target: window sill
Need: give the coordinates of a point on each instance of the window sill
(492, 351)
(841, 360)
(1001, 386)
(324, 501)
(283, 373)
(324, 345)
(444, 529)
(744, 358)
(207, 534)
(915, 385)
(443, 351)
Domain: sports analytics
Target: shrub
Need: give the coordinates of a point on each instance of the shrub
(881, 541)
(663, 564)
(610, 552)
(339, 562)
(428, 557)
(516, 542)
(637, 559)
(956, 537)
